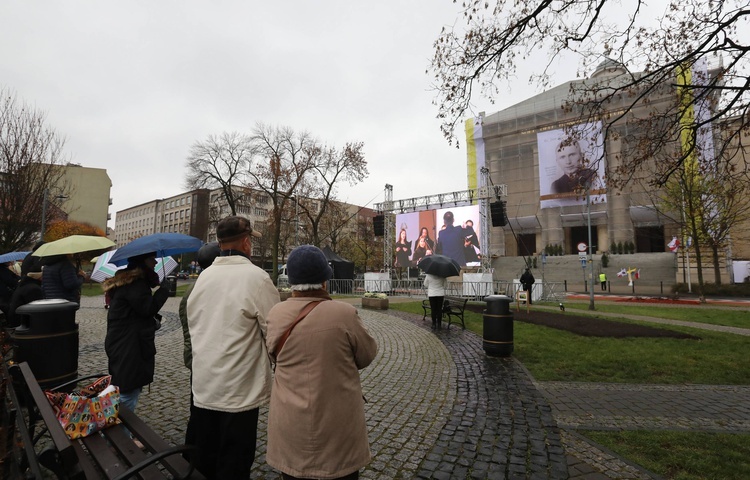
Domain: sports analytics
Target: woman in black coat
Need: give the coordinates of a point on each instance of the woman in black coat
(131, 326)
(29, 288)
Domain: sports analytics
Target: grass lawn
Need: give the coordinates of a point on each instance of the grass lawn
(681, 455)
(557, 355)
(717, 358)
(729, 317)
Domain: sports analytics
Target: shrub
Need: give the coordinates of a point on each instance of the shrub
(619, 248)
(605, 260)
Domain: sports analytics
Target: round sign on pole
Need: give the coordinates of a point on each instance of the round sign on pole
(582, 247)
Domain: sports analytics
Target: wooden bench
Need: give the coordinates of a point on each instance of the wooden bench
(452, 307)
(108, 454)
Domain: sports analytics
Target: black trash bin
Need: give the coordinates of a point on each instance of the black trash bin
(47, 339)
(172, 282)
(498, 326)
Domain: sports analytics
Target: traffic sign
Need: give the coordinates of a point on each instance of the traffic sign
(582, 247)
(583, 263)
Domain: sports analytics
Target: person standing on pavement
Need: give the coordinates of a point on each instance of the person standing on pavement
(527, 280)
(316, 421)
(130, 342)
(227, 314)
(205, 257)
(603, 281)
(435, 287)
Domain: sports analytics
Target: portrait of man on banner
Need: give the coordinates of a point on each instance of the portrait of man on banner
(571, 161)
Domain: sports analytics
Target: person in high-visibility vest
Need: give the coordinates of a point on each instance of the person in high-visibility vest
(603, 280)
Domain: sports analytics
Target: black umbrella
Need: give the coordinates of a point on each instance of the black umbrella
(440, 265)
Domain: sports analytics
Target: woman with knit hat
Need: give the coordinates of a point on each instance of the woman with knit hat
(316, 421)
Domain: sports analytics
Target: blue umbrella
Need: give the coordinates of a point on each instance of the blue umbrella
(163, 244)
(13, 256)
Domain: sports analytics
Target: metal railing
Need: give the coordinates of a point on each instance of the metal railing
(414, 288)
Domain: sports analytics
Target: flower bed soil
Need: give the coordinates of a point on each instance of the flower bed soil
(590, 326)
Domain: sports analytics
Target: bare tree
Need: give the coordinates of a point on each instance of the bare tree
(363, 248)
(28, 149)
(220, 162)
(501, 35)
(335, 166)
(281, 161)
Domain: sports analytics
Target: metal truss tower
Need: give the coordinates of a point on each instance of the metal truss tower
(389, 227)
(482, 195)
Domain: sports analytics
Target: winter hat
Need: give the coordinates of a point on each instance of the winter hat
(307, 264)
(207, 254)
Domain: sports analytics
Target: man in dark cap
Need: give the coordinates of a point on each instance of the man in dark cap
(227, 314)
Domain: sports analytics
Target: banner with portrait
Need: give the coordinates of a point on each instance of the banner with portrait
(571, 160)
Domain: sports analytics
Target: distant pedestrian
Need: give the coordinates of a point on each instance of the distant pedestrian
(316, 421)
(435, 287)
(603, 281)
(527, 280)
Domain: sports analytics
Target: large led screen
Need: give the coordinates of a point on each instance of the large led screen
(451, 231)
(570, 160)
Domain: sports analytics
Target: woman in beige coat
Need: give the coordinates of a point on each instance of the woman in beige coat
(316, 421)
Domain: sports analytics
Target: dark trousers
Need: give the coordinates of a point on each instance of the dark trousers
(604, 285)
(351, 476)
(436, 310)
(225, 441)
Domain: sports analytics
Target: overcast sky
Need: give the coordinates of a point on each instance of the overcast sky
(132, 85)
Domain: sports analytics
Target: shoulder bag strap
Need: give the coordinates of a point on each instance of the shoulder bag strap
(302, 314)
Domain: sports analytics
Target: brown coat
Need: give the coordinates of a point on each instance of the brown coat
(316, 421)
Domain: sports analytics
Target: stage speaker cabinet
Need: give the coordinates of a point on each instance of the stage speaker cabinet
(378, 224)
(497, 214)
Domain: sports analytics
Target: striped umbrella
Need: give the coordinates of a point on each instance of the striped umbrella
(104, 270)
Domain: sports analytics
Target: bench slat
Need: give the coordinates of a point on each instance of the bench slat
(107, 460)
(56, 432)
(110, 453)
(176, 465)
(120, 439)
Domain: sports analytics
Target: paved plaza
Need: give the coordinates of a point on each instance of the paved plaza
(438, 407)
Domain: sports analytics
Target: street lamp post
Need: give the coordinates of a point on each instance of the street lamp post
(45, 199)
(591, 248)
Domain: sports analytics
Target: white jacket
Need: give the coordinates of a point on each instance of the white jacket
(227, 315)
(435, 285)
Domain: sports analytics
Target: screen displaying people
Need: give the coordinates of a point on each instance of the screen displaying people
(450, 231)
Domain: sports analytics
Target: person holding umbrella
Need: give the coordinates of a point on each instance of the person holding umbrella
(131, 326)
(435, 287)
(61, 279)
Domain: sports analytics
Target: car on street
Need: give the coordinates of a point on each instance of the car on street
(183, 275)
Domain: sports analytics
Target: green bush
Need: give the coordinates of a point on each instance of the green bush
(613, 247)
(619, 248)
(712, 289)
(605, 260)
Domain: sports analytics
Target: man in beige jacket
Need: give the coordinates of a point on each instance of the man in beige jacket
(316, 421)
(227, 313)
